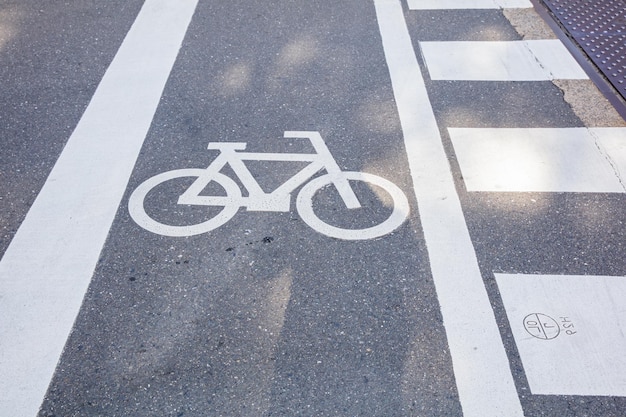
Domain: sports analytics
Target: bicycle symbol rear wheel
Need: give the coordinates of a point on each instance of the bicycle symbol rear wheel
(400, 211)
(230, 204)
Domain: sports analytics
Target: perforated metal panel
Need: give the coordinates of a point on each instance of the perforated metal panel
(599, 27)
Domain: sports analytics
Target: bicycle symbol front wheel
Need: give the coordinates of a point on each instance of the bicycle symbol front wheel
(400, 210)
(230, 203)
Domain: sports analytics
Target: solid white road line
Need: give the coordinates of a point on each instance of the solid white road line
(481, 367)
(570, 331)
(532, 60)
(589, 160)
(47, 268)
(468, 4)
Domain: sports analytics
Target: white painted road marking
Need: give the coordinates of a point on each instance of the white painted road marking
(47, 268)
(542, 160)
(585, 353)
(481, 367)
(277, 200)
(531, 60)
(468, 4)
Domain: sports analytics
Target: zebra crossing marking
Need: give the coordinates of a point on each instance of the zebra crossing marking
(570, 331)
(481, 367)
(591, 160)
(531, 60)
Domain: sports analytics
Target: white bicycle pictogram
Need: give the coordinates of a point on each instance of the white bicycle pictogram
(278, 200)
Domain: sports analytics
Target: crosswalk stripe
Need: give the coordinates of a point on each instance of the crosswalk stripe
(47, 268)
(570, 331)
(531, 60)
(468, 4)
(542, 160)
(483, 375)
(557, 360)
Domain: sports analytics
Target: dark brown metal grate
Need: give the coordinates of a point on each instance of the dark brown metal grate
(599, 27)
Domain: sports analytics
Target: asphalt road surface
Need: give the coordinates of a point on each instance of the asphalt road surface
(356, 208)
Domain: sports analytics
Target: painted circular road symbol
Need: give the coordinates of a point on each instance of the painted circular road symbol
(541, 326)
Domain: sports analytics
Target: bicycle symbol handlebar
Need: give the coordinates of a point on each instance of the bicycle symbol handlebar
(279, 200)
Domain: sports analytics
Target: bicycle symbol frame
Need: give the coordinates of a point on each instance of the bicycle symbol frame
(278, 200)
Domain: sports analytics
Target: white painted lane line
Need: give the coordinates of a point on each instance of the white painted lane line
(570, 331)
(481, 367)
(468, 4)
(531, 60)
(589, 160)
(48, 266)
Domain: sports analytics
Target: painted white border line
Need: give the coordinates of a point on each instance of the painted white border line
(481, 367)
(46, 269)
(578, 159)
(468, 4)
(531, 60)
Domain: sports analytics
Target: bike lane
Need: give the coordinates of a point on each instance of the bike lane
(264, 315)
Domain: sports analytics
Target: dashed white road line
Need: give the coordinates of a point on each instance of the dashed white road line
(530, 60)
(483, 375)
(46, 269)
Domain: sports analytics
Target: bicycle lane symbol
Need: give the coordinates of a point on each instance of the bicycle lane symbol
(279, 200)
